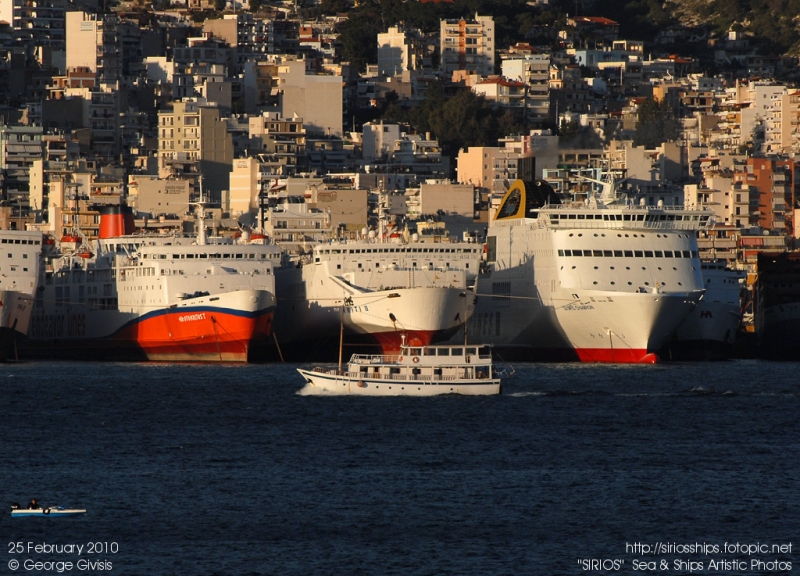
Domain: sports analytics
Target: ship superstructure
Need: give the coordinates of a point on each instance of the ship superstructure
(20, 252)
(161, 298)
(598, 281)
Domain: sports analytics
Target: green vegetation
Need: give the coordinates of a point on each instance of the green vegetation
(656, 123)
(463, 120)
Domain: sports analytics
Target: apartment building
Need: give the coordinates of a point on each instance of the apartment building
(401, 50)
(467, 45)
(39, 23)
(191, 133)
(776, 181)
(279, 142)
(533, 70)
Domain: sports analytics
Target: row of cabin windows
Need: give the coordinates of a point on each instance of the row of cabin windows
(632, 217)
(400, 250)
(18, 241)
(204, 256)
(631, 253)
(448, 351)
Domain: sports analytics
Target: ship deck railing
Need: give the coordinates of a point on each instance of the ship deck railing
(614, 217)
(406, 377)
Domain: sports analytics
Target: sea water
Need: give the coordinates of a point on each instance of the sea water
(225, 469)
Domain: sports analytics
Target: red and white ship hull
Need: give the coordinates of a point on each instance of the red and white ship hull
(378, 292)
(219, 328)
(586, 281)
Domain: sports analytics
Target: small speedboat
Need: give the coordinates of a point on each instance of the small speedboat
(54, 511)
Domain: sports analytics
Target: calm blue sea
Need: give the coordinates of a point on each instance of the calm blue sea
(205, 470)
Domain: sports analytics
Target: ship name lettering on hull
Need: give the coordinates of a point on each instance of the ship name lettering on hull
(191, 317)
(57, 326)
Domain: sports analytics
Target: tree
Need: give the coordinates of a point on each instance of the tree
(359, 38)
(656, 123)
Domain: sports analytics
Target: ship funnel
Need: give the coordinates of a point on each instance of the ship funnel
(115, 221)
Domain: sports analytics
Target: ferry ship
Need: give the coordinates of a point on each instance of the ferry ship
(711, 329)
(158, 298)
(20, 252)
(776, 308)
(377, 293)
(596, 281)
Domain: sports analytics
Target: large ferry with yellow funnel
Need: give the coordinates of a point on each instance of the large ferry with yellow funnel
(600, 280)
(159, 298)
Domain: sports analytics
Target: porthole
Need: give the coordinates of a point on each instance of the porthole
(659, 267)
(647, 283)
(643, 268)
(627, 267)
(595, 282)
(595, 267)
(613, 283)
(573, 267)
(630, 283)
(680, 283)
(611, 267)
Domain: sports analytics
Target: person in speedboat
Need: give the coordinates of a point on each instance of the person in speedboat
(33, 505)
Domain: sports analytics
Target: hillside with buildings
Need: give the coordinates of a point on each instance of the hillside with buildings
(406, 104)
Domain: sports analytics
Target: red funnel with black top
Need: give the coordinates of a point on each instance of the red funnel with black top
(116, 221)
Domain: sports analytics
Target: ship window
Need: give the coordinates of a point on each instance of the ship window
(597, 252)
(607, 253)
(617, 253)
(638, 253)
(457, 352)
(429, 352)
(414, 351)
(560, 252)
(667, 253)
(581, 217)
(659, 254)
(648, 253)
(694, 254)
(443, 352)
(472, 351)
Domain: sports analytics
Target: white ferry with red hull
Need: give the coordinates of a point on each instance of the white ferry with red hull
(156, 298)
(595, 281)
(379, 292)
(20, 259)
